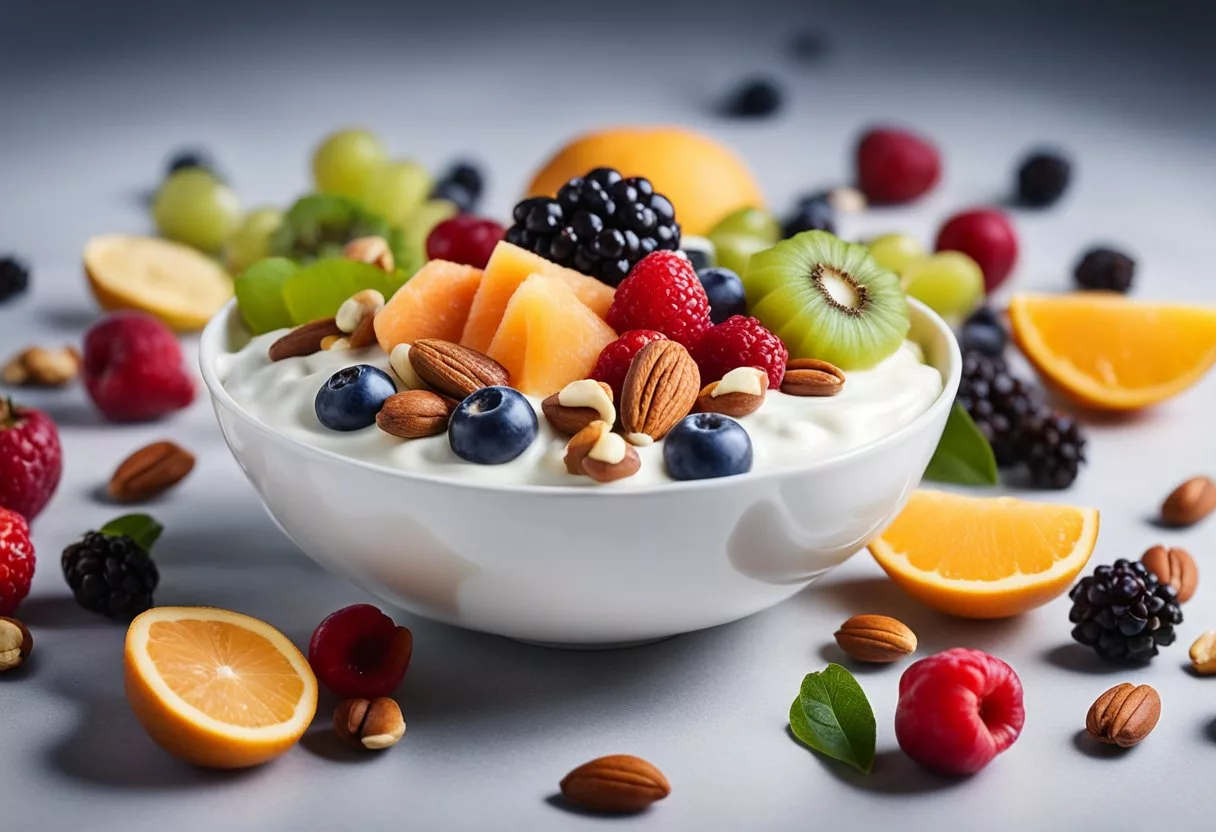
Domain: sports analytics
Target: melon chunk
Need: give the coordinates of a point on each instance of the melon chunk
(548, 337)
(434, 304)
(509, 266)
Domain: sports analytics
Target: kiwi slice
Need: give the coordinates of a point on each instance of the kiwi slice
(828, 299)
(319, 226)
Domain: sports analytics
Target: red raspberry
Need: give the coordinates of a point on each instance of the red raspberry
(987, 237)
(16, 560)
(359, 651)
(613, 363)
(464, 239)
(895, 166)
(662, 293)
(31, 460)
(133, 368)
(740, 341)
(957, 710)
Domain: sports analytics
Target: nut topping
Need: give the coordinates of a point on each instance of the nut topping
(374, 724)
(15, 643)
(617, 784)
(42, 367)
(356, 309)
(373, 250)
(150, 472)
(1124, 715)
(1203, 654)
(399, 360)
(876, 638)
(578, 404)
(1175, 567)
(660, 389)
(812, 377)
(304, 340)
(738, 394)
(454, 370)
(414, 414)
(601, 454)
(1189, 503)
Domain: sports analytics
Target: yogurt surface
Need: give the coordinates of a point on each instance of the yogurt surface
(786, 432)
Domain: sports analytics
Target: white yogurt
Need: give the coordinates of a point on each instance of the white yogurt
(786, 432)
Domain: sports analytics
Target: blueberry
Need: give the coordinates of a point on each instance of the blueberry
(1043, 177)
(492, 426)
(352, 397)
(453, 191)
(190, 158)
(707, 445)
(811, 213)
(982, 332)
(699, 251)
(755, 98)
(468, 176)
(725, 291)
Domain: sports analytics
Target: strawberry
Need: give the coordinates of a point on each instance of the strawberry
(16, 560)
(31, 460)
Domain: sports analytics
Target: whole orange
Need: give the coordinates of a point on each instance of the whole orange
(703, 178)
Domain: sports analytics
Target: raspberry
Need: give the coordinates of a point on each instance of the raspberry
(613, 363)
(133, 368)
(359, 651)
(16, 560)
(895, 166)
(740, 341)
(987, 237)
(464, 239)
(957, 710)
(31, 459)
(662, 293)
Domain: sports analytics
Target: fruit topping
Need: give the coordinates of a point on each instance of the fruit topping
(896, 166)
(320, 225)
(360, 651)
(374, 724)
(987, 237)
(492, 426)
(192, 157)
(660, 389)
(984, 333)
(395, 190)
(601, 454)
(250, 242)
(599, 224)
(14, 278)
(740, 341)
(1043, 178)
(707, 445)
(462, 184)
(957, 710)
(998, 402)
(748, 222)
(31, 459)
(351, 397)
(811, 213)
(464, 239)
(725, 292)
(734, 251)
(615, 359)
(318, 289)
(949, 282)
(418, 226)
(700, 251)
(344, 161)
(435, 303)
(133, 368)
(828, 299)
(16, 560)
(1124, 612)
(259, 294)
(171, 281)
(754, 98)
(1052, 447)
(1105, 269)
(896, 251)
(111, 572)
(662, 293)
(195, 208)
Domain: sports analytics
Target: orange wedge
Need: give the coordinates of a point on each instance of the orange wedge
(217, 688)
(985, 557)
(1110, 353)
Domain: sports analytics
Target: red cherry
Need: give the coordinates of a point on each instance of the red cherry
(464, 239)
(987, 237)
(359, 651)
(895, 166)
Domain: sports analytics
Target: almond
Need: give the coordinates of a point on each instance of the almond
(1189, 503)
(1175, 567)
(373, 250)
(812, 377)
(660, 389)
(738, 394)
(618, 784)
(578, 404)
(304, 340)
(150, 471)
(611, 458)
(876, 638)
(1124, 715)
(581, 444)
(414, 414)
(454, 370)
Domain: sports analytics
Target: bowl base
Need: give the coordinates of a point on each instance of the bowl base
(595, 645)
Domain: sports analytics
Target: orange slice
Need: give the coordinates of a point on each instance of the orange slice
(985, 557)
(217, 688)
(1110, 353)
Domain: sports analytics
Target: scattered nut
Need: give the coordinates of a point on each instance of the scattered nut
(1124, 715)
(304, 340)
(356, 309)
(414, 414)
(150, 472)
(1203, 654)
(1175, 567)
(876, 638)
(454, 370)
(617, 784)
(847, 200)
(578, 404)
(660, 389)
(42, 367)
(375, 725)
(374, 250)
(15, 643)
(738, 394)
(812, 377)
(1189, 503)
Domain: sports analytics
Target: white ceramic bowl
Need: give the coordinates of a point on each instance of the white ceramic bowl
(581, 566)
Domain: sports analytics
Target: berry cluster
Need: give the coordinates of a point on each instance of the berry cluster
(1124, 612)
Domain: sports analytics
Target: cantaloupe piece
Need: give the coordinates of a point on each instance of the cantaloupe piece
(434, 303)
(548, 337)
(509, 266)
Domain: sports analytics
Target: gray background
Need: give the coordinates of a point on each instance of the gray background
(92, 98)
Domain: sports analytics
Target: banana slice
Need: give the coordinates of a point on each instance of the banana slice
(169, 280)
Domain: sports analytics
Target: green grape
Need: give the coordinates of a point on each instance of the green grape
(343, 162)
(748, 222)
(250, 242)
(734, 250)
(949, 282)
(896, 251)
(318, 289)
(420, 223)
(259, 294)
(395, 190)
(195, 208)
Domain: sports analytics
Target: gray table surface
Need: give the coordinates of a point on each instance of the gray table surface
(93, 96)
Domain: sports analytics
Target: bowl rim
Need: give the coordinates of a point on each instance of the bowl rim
(211, 346)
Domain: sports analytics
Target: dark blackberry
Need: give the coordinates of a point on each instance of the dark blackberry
(1105, 269)
(983, 332)
(754, 98)
(1123, 612)
(600, 224)
(111, 575)
(1043, 178)
(1052, 447)
(997, 402)
(811, 213)
(14, 277)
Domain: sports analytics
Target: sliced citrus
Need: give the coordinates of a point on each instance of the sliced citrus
(985, 557)
(1111, 353)
(217, 688)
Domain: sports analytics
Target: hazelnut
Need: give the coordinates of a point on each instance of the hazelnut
(373, 724)
(15, 643)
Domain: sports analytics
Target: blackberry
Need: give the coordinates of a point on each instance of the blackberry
(754, 98)
(1105, 269)
(600, 224)
(111, 575)
(14, 278)
(811, 213)
(998, 403)
(1052, 447)
(1123, 612)
(983, 332)
(1042, 178)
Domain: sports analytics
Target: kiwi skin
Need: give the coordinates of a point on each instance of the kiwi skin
(828, 299)
(320, 225)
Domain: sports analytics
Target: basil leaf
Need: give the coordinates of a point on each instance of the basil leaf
(963, 455)
(139, 527)
(833, 717)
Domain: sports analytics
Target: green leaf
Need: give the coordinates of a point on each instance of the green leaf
(139, 527)
(963, 455)
(259, 294)
(318, 289)
(833, 717)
